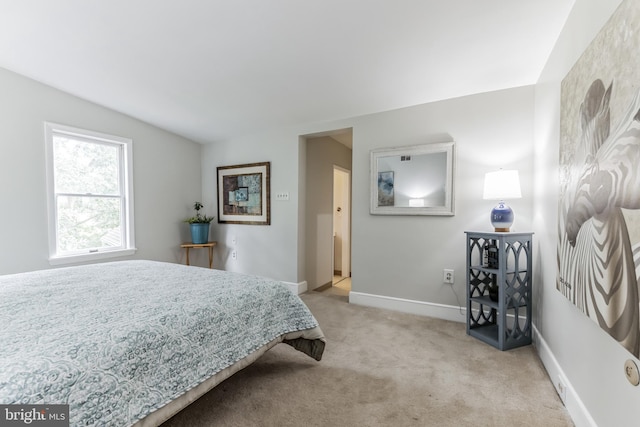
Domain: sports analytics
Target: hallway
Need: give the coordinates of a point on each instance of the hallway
(340, 286)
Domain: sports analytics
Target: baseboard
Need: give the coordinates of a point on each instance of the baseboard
(440, 311)
(323, 287)
(578, 412)
(297, 288)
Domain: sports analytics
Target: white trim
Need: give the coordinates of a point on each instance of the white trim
(74, 259)
(440, 311)
(297, 288)
(576, 408)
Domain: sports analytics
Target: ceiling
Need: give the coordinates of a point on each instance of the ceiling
(211, 70)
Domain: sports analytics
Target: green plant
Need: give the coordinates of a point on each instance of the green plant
(199, 218)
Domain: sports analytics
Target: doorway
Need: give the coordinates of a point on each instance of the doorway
(341, 228)
(327, 158)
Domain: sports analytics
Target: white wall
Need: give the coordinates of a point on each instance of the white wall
(403, 257)
(396, 256)
(167, 176)
(569, 343)
(266, 250)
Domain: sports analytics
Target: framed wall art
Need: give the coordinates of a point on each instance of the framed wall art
(244, 194)
(599, 204)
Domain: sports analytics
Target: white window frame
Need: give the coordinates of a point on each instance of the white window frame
(126, 183)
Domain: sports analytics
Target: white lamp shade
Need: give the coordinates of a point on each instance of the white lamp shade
(502, 185)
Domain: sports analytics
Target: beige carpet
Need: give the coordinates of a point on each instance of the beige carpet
(383, 368)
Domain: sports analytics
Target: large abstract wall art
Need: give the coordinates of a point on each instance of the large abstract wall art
(599, 205)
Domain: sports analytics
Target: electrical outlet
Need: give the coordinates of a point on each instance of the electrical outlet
(562, 389)
(448, 276)
(234, 254)
(282, 195)
(631, 372)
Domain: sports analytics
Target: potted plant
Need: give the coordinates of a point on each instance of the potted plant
(199, 225)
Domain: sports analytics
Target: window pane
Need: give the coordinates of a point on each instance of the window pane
(85, 167)
(86, 222)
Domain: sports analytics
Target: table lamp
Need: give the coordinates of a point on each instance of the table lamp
(502, 185)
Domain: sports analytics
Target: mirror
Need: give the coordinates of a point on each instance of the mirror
(416, 180)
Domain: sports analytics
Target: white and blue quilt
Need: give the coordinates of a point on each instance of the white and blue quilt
(117, 341)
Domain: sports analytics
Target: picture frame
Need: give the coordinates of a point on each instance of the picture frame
(244, 194)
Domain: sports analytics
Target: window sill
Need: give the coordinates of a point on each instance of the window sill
(95, 256)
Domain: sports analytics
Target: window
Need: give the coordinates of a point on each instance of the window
(90, 195)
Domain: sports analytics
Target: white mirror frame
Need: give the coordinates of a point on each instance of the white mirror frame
(447, 209)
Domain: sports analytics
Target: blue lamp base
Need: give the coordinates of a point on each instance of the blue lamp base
(502, 217)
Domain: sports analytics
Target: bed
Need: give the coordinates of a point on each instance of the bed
(134, 342)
